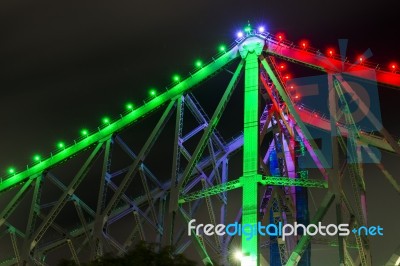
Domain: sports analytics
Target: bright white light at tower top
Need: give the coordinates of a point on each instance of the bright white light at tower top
(261, 29)
(239, 34)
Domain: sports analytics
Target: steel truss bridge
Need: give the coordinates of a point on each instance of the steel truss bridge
(274, 187)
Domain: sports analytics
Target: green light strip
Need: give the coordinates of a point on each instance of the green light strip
(265, 180)
(211, 191)
(289, 182)
(125, 121)
(250, 157)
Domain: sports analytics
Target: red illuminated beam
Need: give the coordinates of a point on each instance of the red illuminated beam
(333, 65)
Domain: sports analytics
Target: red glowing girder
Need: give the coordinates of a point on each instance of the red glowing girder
(333, 65)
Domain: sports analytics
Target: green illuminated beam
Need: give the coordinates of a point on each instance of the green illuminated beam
(211, 191)
(297, 182)
(265, 180)
(118, 125)
(250, 152)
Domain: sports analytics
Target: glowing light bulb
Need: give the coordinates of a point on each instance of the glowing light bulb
(176, 78)
(106, 120)
(261, 29)
(84, 132)
(129, 106)
(153, 92)
(198, 63)
(60, 145)
(222, 48)
(239, 34)
(11, 170)
(37, 158)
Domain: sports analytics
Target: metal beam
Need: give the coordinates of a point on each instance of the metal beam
(14, 202)
(307, 136)
(378, 124)
(127, 120)
(140, 158)
(199, 244)
(211, 191)
(206, 135)
(305, 239)
(66, 196)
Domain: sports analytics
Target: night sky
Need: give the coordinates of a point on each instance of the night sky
(65, 64)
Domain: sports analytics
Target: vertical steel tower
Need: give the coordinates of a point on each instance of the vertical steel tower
(274, 183)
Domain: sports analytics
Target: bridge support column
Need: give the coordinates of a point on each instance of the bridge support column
(250, 50)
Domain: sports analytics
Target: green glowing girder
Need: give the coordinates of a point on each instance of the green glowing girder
(211, 191)
(298, 182)
(265, 180)
(250, 152)
(180, 88)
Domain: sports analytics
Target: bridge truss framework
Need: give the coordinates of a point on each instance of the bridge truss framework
(279, 193)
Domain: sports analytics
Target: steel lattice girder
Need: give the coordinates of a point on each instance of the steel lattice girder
(265, 180)
(113, 213)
